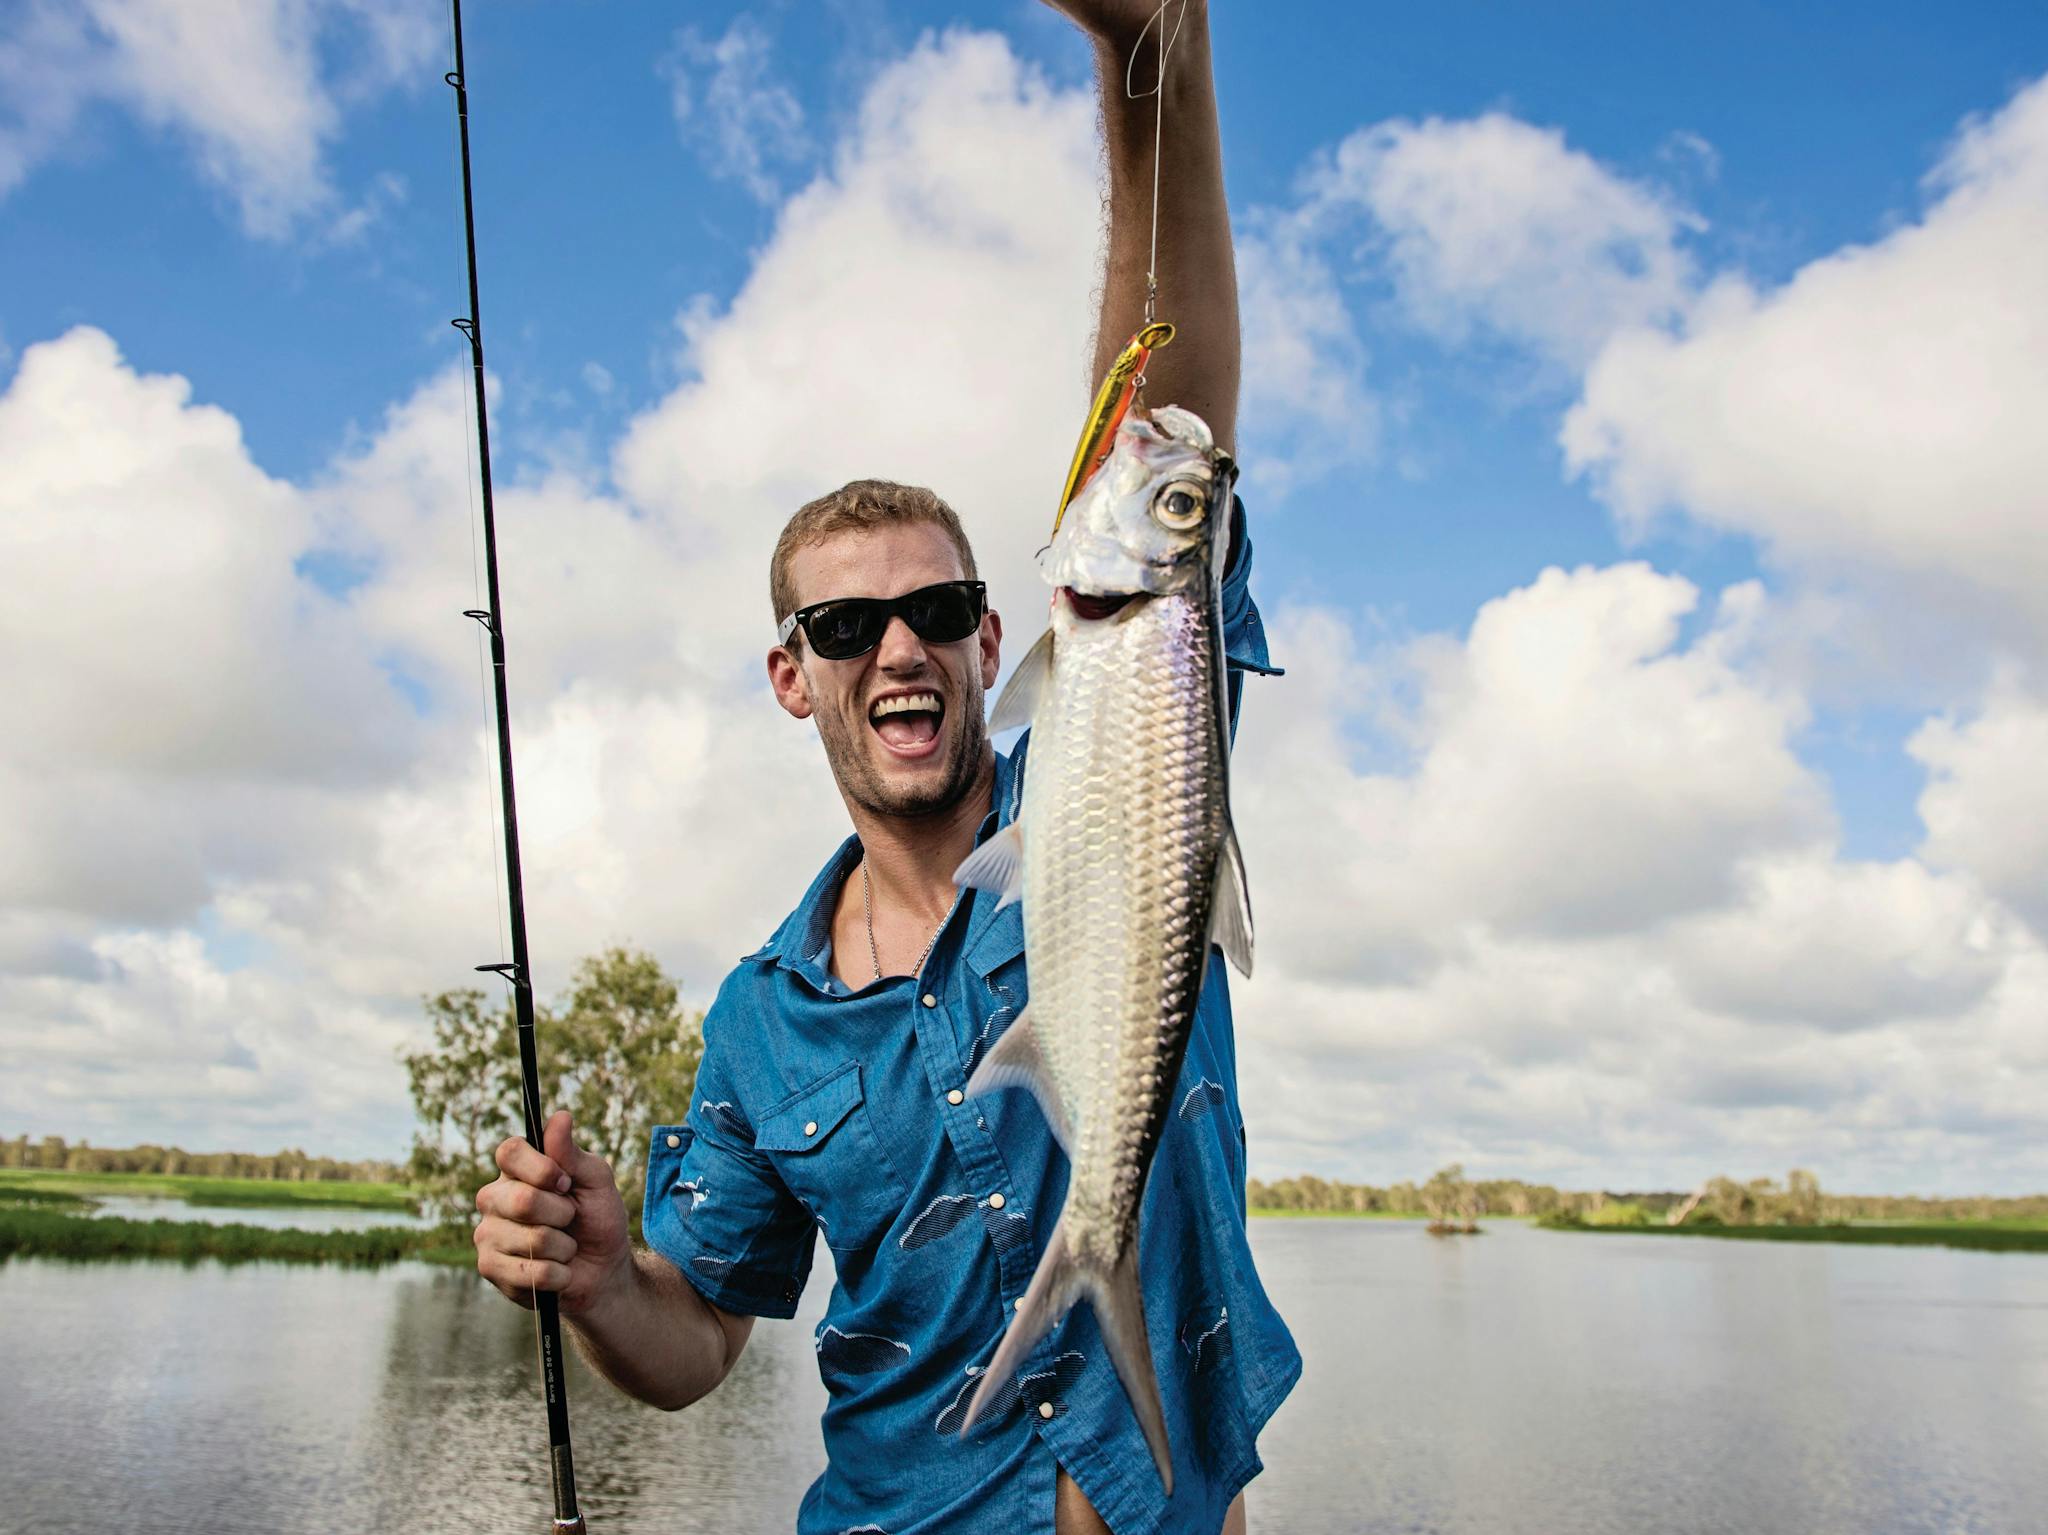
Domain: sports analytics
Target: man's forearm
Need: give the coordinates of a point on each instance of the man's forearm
(656, 1338)
(1197, 272)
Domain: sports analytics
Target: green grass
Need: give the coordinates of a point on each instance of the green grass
(47, 1199)
(1983, 1236)
(39, 1233)
(246, 1192)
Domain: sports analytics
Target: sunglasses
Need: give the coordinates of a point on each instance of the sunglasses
(846, 627)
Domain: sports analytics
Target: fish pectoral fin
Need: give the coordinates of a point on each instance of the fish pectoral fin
(1026, 686)
(998, 864)
(1017, 1061)
(1230, 916)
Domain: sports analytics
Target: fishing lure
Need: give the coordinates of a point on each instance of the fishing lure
(1112, 403)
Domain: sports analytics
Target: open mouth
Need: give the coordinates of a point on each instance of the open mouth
(908, 723)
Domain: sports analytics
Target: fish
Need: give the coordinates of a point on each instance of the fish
(1127, 864)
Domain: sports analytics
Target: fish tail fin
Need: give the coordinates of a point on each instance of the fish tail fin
(1120, 1309)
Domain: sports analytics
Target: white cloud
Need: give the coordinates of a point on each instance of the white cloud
(1591, 925)
(1983, 806)
(743, 122)
(243, 86)
(1877, 412)
(1491, 224)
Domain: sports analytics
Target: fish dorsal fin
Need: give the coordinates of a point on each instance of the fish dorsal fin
(1026, 686)
(1230, 917)
(1017, 1061)
(998, 864)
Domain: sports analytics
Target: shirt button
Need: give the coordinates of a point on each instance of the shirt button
(674, 1141)
(1017, 1304)
(810, 1127)
(1045, 1409)
(930, 1000)
(995, 1201)
(955, 1096)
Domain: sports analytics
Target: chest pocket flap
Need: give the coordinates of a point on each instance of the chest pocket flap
(806, 1121)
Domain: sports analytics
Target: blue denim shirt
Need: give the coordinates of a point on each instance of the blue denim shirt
(823, 1109)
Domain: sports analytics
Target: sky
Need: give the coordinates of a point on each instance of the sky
(1641, 438)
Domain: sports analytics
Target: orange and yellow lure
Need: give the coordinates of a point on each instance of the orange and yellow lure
(1112, 401)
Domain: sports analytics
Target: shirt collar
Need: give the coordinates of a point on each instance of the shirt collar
(803, 943)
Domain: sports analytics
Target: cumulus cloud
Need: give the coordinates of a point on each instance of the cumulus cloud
(254, 91)
(1878, 410)
(727, 103)
(1983, 806)
(1494, 225)
(1581, 916)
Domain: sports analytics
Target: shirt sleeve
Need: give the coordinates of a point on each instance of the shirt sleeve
(714, 1205)
(1244, 634)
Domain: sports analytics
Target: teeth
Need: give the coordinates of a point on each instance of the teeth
(926, 703)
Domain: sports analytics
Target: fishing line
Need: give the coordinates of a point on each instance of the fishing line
(1158, 93)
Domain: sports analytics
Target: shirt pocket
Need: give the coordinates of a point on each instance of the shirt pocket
(827, 1152)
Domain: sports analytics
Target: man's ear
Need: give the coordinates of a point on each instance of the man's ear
(991, 641)
(792, 687)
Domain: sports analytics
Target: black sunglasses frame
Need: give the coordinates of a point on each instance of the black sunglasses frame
(888, 608)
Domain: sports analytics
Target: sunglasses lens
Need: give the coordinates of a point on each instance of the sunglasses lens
(840, 630)
(943, 614)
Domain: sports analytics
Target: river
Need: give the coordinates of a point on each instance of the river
(1518, 1383)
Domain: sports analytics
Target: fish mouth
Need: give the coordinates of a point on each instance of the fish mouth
(907, 721)
(1097, 605)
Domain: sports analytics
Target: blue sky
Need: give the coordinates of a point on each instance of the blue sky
(1481, 226)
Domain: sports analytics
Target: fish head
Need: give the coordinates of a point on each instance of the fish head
(1153, 518)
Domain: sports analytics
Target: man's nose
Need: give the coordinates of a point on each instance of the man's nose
(901, 650)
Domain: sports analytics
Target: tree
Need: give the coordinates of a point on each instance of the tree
(617, 1051)
(465, 1089)
(627, 1054)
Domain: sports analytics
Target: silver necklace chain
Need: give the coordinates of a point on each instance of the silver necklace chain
(867, 910)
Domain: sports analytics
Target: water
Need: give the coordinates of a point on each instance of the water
(270, 1217)
(1519, 1383)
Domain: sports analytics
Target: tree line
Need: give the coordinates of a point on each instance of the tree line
(55, 1154)
(1798, 1201)
(617, 1049)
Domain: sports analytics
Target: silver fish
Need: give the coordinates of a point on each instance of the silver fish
(1124, 857)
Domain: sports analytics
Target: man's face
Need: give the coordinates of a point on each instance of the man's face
(904, 725)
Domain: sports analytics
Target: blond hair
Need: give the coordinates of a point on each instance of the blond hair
(858, 506)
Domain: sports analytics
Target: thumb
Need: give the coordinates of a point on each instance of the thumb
(558, 1141)
(585, 1168)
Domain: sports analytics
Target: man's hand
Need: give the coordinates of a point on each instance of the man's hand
(553, 1222)
(1119, 22)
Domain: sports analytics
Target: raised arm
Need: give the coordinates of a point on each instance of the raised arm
(1197, 272)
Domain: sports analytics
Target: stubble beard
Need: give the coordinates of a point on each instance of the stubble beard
(862, 782)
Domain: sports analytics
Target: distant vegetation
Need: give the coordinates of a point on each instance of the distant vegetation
(53, 1154)
(27, 1231)
(1718, 1204)
(1446, 1195)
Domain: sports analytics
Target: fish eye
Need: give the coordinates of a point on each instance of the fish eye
(1181, 505)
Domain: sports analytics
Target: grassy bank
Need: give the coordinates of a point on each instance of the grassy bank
(29, 1231)
(1982, 1236)
(244, 1192)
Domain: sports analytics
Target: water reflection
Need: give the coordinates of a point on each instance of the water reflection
(1521, 1382)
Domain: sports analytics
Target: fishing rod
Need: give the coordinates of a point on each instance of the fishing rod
(547, 1309)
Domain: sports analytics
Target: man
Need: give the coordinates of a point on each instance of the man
(830, 1097)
